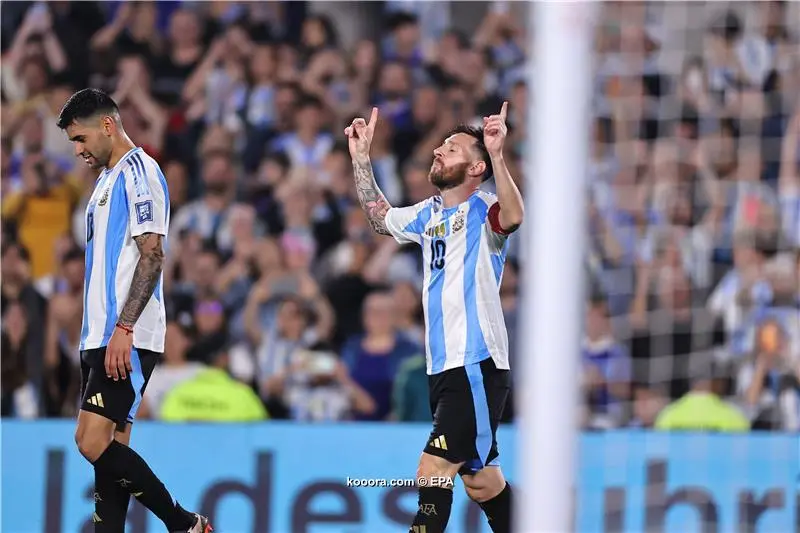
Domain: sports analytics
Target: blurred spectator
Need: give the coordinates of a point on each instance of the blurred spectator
(19, 397)
(41, 210)
(210, 329)
(212, 396)
(769, 382)
(208, 216)
(410, 394)
(373, 358)
(131, 32)
(62, 340)
(648, 402)
(664, 339)
(183, 52)
(145, 119)
(170, 373)
(200, 268)
(293, 329)
(606, 369)
(16, 288)
(408, 311)
(308, 145)
(702, 409)
(347, 290)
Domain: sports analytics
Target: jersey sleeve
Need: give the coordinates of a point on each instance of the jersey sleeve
(148, 197)
(407, 224)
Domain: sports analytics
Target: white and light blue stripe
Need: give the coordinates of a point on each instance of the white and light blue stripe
(463, 317)
(112, 254)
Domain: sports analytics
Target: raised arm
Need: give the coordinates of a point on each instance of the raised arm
(512, 210)
(373, 202)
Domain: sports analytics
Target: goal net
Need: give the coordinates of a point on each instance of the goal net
(692, 324)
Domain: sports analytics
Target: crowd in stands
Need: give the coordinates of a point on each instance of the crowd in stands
(282, 303)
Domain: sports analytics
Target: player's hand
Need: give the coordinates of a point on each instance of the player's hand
(359, 135)
(495, 131)
(118, 355)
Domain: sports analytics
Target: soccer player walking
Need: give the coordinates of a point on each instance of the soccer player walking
(124, 321)
(463, 233)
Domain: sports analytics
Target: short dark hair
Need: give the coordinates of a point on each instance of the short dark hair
(84, 104)
(477, 134)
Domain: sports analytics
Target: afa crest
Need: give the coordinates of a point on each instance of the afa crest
(104, 198)
(458, 223)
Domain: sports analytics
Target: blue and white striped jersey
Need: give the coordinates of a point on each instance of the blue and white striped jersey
(128, 200)
(464, 252)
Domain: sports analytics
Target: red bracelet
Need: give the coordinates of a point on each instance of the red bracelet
(126, 329)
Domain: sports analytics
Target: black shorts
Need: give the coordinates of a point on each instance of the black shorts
(467, 403)
(116, 400)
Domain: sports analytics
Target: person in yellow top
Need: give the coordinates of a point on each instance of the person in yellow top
(41, 210)
(212, 396)
(701, 409)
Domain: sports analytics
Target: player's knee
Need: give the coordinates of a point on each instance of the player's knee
(484, 485)
(479, 494)
(91, 444)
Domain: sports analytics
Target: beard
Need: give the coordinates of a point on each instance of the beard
(444, 178)
(99, 159)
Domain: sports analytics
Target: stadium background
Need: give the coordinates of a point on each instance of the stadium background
(693, 265)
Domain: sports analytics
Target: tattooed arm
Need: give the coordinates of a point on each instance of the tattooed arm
(359, 138)
(145, 277)
(370, 196)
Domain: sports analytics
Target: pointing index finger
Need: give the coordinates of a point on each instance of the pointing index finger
(504, 111)
(373, 118)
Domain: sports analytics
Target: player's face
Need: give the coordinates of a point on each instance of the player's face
(452, 162)
(92, 141)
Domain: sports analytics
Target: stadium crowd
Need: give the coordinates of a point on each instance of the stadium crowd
(281, 303)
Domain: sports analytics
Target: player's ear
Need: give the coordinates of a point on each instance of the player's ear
(477, 169)
(107, 123)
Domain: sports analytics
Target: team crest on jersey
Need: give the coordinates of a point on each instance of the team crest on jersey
(104, 198)
(458, 223)
(438, 230)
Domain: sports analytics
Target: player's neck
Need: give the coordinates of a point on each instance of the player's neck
(121, 146)
(457, 195)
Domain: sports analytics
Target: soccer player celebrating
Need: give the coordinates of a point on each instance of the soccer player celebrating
(124, 320)
(463, 233)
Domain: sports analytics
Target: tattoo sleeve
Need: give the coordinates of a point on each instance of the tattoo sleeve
(370, 196)
(145, 277)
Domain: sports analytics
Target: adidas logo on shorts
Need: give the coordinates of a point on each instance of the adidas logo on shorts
(439, 442)
(97, 400)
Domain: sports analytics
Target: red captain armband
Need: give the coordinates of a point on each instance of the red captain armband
(494, 220)
(124, 328)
